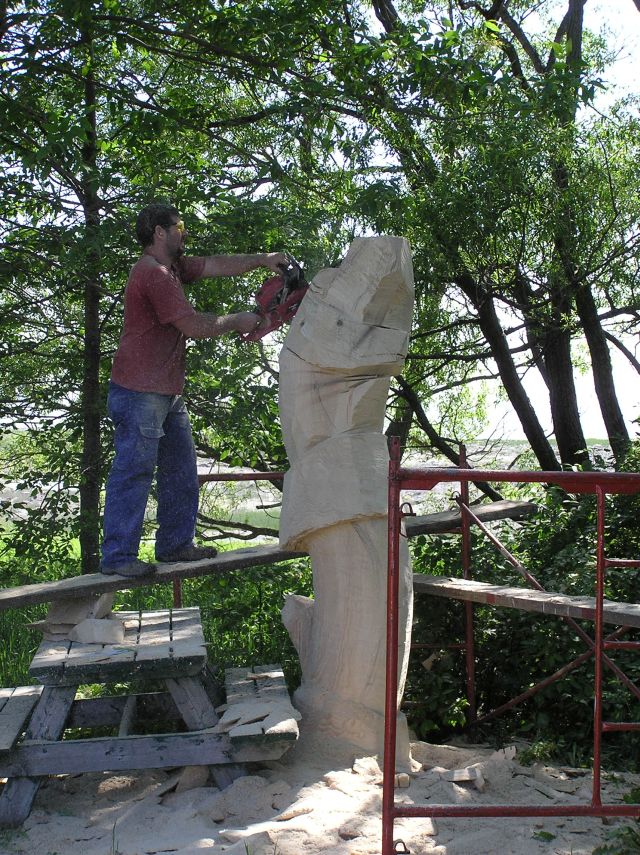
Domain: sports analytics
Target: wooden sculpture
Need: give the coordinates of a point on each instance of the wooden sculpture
(349, 337)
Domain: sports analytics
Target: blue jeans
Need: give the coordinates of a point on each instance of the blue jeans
(152, 432)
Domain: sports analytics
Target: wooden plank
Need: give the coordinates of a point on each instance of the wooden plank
(16, 708)
(239, 684)
(153, 642)
(175, 649)
(73, 756)
(48, 660)
(259, 748)
(258, 716)
(186, 630)
(128, 716)
(213, 685)
(74, 663)
(193, 702)
(47, 723)
(98, 583)
(270, 682)
(450, 521)
(225, 562)
(9, 692)
(179, 638)
(147, 651)
(87, 662)
(526, 599)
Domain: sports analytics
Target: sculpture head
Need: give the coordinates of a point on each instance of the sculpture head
(357, 317)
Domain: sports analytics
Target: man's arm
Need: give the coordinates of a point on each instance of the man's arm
(208, 325)
(236, 265)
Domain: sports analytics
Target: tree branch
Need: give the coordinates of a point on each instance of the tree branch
(435, 439)
(621, 347)
(239, 530)
(386, 13)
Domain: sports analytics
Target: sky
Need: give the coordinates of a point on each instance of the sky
(620, 19)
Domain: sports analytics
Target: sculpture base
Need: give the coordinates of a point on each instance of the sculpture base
(347, 729)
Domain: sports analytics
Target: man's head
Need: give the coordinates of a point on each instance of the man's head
(158, 222)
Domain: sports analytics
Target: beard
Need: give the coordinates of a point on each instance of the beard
(176, 253)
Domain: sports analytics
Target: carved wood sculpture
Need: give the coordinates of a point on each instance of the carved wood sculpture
(349, 337)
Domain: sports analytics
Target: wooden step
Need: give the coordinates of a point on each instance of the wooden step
(526, 599)
(258, 716)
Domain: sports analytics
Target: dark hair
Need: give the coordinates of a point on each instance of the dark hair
(152, 216)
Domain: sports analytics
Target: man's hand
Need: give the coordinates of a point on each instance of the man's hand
(275, 261)
(246, 322)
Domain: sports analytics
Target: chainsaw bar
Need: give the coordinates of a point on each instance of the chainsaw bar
(278, 299)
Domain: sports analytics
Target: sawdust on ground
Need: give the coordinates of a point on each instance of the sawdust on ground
(313, 803)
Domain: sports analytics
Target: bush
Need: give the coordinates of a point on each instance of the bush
(514, 649)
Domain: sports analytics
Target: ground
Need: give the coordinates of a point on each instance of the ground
(313, 803)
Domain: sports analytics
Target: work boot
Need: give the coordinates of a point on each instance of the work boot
(131, 569)
(188, 553)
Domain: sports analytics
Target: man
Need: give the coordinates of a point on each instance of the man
(145, 404)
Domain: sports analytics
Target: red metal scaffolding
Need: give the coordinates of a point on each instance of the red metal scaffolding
(598, 483)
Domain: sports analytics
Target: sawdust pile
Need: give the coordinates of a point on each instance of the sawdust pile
(308, 803)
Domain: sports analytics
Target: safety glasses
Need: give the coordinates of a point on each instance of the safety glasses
(179, 225)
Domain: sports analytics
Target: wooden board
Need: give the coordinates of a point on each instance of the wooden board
(258, 717)
(98, 583)
(167, 643)
(238, 559)
(47, 723)
(450, 521)
(16, 706)
(114, 753)
(526, 599)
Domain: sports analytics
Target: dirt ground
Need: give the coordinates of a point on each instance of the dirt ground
(312, 803)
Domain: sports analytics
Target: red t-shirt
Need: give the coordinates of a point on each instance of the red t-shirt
(151, 353)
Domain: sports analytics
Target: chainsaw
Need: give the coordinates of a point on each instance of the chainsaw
(278, 299)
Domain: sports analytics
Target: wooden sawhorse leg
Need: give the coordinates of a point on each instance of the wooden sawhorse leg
(47, 723)
(198, 712)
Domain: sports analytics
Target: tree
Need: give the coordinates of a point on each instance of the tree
(298, 126)
(486, 167)
(105, 105)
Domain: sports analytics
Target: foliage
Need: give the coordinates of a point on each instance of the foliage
(298, 126)
(472, 136)
(515, 649)
(620, 841)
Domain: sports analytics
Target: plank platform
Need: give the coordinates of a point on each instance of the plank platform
(94, 584)
(258, 716)
(526, 599)
(161, 644)
(97, 583)
(449, 522)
